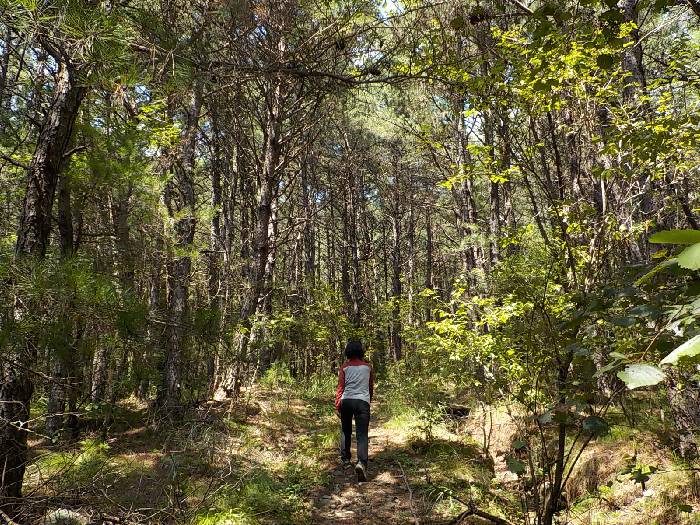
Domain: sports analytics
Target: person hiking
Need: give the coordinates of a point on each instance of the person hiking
(352, 400)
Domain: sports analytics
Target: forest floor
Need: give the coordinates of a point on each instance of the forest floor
(271, 459)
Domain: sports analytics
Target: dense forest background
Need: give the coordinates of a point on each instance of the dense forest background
(203, 198)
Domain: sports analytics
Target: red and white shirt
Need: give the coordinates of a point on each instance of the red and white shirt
(355, 381)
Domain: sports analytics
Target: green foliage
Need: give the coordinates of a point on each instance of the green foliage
(690, 257)
(687, 350)
(639, 375)
(277, 376)
(676, 237)
(639, 472)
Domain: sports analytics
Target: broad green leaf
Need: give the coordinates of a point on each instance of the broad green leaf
(655, 270)
(518, 444)
(690, 348)
(606, 61)
(515, 466)
(676, 237)
(623, 321)
(690, 257)
(639, 476)
(595, 426)
(639, 375)
(643, 310)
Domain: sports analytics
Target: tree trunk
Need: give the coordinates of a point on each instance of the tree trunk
(463, 193)
(684, 399)
(428, 262)
(4, 67)
(218, 245)
(355, 288)
(16, 385)
(154, 333)
(396, 288)
(180, 200)
(553, 501)
(253, 304)
(57, 392)
(309, 231)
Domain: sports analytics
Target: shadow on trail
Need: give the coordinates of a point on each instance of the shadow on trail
(405, 481)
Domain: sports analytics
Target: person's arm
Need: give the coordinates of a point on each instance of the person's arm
(371, 383)
(341, 388)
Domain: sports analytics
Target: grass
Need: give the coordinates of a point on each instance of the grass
(212, 466)
(261, 463)
(613, 497)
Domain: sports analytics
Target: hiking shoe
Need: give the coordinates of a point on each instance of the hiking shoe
(345, 462)
(361, 472)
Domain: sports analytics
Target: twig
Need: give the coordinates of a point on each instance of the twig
(76, 149)
(14, 162)
(473, 511)
(522, 7)
(6, 520)
(410, 493)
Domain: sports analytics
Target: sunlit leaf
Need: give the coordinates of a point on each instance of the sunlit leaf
(639, 375)
(515, 466)
(595, 426)
(690, 257)
(659, 267)
(676, 237)
(690, 348)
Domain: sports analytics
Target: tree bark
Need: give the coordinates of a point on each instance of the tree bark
(57, 391)
(428, 262)
(684, 399)
(396, 285)
(180, 200)
(16, 385)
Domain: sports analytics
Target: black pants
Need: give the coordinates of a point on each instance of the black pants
(358, 409)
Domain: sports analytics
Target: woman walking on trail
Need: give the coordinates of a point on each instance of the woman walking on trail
(352, 400)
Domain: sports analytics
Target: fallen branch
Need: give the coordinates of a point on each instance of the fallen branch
(410, 493)
(6, 520)
(473, 511)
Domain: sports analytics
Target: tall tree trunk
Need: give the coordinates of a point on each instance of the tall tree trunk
(16, 386)
(463, 193)
(154, 333)
(684, 399)
(219, 244)
(355, 288)
(396, 288)
(553, 501)
(636, 85)
(57, 392)
(180, 200)
(266, 354)
(4, 68)
(309, 231)
(428, 261)
(120, 202)
(253, 305)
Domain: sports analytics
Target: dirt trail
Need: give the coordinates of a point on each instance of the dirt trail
(392, 494)
(386, 497)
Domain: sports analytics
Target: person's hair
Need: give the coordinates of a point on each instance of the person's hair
(354, 350)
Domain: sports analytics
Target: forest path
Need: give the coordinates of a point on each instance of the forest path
(385, 498)
(398, 487)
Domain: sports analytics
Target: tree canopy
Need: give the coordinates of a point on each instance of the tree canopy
(499, 198)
